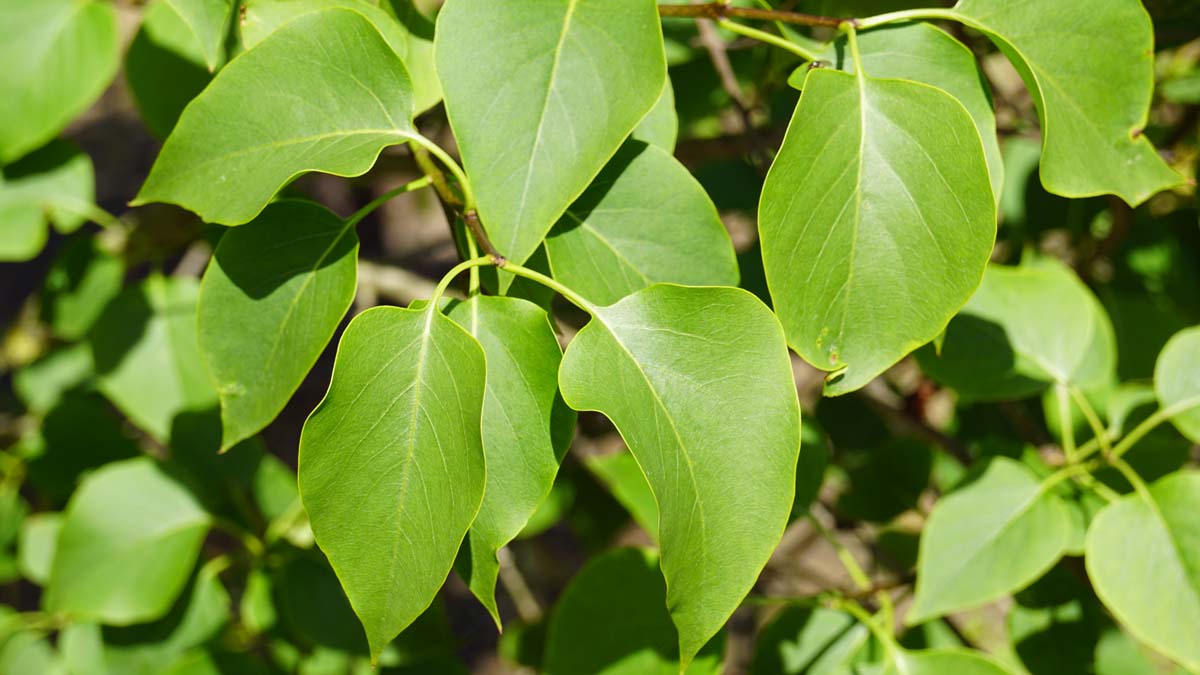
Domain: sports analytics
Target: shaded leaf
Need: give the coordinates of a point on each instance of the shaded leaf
(876, 220)
(271, 299)
(208, 22)
(392, 463)
(620, 473)
(808, 641)
(643, 220)
(47, 186)
(329, 95)
(78, 285)
(166, 67)
(540, 116)
(670, 365)
(524, 437)
(1177, 381)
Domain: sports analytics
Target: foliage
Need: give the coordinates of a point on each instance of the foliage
(734, 297)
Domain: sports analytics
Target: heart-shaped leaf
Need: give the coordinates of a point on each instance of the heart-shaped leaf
(876, 221)
(58, 57)
(392, 463)
(540, 115)
(1025, 328)
(1143, 557)
(270, 301)
(129, 540)
(526, 427)
(992, 536)
(671, 366)
(329, 94)
(1177, 381)
(644, 219)
(1090, 67)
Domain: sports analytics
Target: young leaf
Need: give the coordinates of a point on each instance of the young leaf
(876, 220)
(925, 53)
(208, 21)
(990, 537)
(49, 185)
(643, 220)
(526, 427)
(147, 356)
(540, 97)
(35, 546)
(1143, 557)
(329, 94)
(129, 541)
(671, 366)
(623, 591)
(1025, 328)
(392, 463)
(407, 32)
(1090, 68)
(270, 301)
(1177, 381)
(58, 57)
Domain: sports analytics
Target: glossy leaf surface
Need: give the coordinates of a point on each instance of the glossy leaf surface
(643, 220)
(876, 221)
(1090, 67)
(392, 463)
(271, 299)
(129, 541)
(670, 365)
(59, 55)
(329, 95)
(526, 427)
(539, 117)
(992, 536)
(1143, 557)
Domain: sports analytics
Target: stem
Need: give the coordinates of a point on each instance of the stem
(251, 543)
(884, 636)
(437, 151)
(907, 15)
(90, 211)
(768, 38)
(852, 37)
(860, 578)
(471, 218)
(1132, 476)
(454, 272)
(1093, 420)
(426, 163)
(571, 296)
(722, 10)
(424, 181)
(513, 581)
(473, 252)
(1064, 422)
(1150, 422)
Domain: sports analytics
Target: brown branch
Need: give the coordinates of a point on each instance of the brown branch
(722, 10)
(471, 218)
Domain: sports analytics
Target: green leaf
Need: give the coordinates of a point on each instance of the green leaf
(876, 220)
(271, 299)
(620, 473)
(808, 640)
(922, 52)
(80, 282)
(165, 68)
(670, 366)
(643, 220)
(392, 463)
(147, 356)
(59, 56)
(1025, 327)
(538, 117)
(408, 32)
(1177, 381)
(50, 185)
(948, 662)
(994, 535)
(660, 126)
(42, 384)
(526, 427)
(35, 546)
(208, 21)
(624, 592)
(329, 95)
(29, 652)
(129, 541)
(1143, 557)
(1090, 68)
